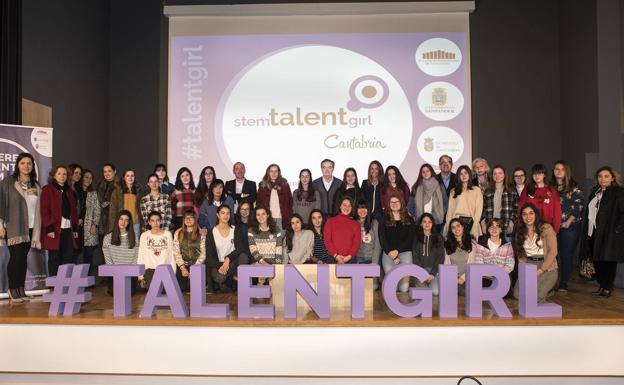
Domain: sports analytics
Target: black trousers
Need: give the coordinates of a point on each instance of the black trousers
(605, 273)
(65, 253)
(18, 263)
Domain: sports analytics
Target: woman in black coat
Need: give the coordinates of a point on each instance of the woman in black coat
(603, 228)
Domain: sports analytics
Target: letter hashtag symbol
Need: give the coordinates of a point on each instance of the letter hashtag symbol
(68, 289)
(191, 151)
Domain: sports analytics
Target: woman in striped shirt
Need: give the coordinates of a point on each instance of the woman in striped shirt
(120, 247)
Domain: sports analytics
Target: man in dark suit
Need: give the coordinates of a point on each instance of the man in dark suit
(447, 178)
(327, 186)
(241, 188)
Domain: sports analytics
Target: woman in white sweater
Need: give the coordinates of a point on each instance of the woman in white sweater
(299, 243)
(155, 248)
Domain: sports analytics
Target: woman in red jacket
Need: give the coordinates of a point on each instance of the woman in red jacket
(59, 220)
(274, 192)
(544, 196)
(342, 234)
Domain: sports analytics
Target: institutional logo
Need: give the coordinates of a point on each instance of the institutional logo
(438, 96)
(440, 101)
(438, 57)
(437, 141)
(428, 144)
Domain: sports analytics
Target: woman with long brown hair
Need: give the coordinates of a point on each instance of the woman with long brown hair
(372, 186)
(572, 205)
(427, 196)
(500, 200)
(265, 239)
(91, 218)
(536, 243)
(105, 190)
(465, 204)
(350, 187)
(274, 192)
(189, 248)
(396, 236)
(121, 245)
(544, 196)
(306, 198)
(126, 196)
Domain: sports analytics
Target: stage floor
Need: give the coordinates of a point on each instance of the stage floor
(579, 308)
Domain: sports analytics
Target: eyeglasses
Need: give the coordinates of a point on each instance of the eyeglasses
(519, 176)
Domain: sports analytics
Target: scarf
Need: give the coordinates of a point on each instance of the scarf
(430, 190)
(65, 208)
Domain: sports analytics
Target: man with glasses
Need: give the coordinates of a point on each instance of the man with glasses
(446, 177)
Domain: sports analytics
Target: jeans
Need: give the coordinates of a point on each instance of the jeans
(567, 239)
(434, 285)
(388, 264)
(137, 229)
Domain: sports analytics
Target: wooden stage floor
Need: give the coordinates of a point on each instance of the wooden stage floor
(579, 308)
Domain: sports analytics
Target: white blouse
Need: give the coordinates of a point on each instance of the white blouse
(224, 245)
(531, 247)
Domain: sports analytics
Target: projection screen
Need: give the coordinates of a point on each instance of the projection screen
(293, 84)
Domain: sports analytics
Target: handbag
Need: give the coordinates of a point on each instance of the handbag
(587, 270)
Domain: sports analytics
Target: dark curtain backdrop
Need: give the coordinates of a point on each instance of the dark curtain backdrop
(11, 61)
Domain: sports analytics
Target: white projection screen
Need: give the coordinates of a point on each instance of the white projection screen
(294, 84)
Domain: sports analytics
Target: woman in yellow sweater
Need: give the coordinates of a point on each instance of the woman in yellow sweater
(126, 196)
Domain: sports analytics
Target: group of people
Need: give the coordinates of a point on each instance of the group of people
(477, 215)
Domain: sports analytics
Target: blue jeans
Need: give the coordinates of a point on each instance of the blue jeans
(567, 239)
(433, 285)
(388, 264)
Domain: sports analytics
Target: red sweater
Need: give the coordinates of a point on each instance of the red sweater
(546, 199)
(342, 236)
